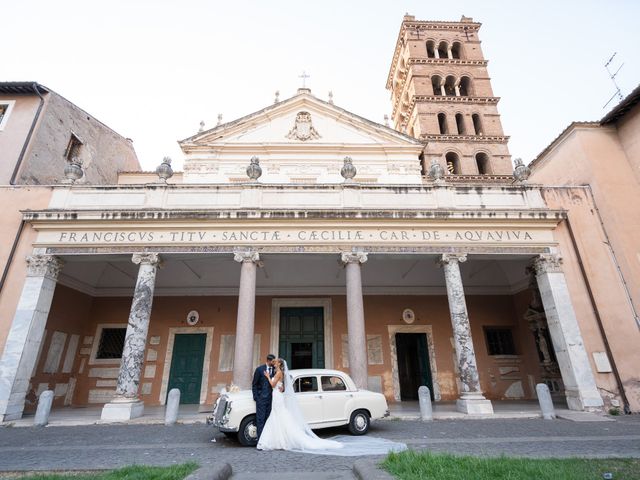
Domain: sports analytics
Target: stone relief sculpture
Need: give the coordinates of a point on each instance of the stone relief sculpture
(303, 129)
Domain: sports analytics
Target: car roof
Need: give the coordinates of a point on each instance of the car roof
(315, 371)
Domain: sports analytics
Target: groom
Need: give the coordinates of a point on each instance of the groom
(262, 392)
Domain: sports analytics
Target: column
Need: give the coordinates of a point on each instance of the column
(126, 404)
(577, 376)
(456, 87)
(26, 333)
(355, 318)
(449, 53)
(471, 399)
(243, 354)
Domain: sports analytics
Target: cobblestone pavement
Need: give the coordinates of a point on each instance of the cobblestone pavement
(109, 446)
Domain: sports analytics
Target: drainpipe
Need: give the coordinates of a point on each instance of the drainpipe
(11, 255)
(603, 334)
(28, 139)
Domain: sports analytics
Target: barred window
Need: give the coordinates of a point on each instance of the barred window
(3, 111)
(111, 343)
(499, 341)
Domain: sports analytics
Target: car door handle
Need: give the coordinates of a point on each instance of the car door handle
(318, 396)
(350, 395)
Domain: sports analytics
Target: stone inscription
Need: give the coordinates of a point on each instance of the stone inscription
(293, 236)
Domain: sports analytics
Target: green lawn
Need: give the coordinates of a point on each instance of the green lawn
(411, 465)
(136, 472)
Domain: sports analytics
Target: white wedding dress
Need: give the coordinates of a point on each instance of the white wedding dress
(286, 429)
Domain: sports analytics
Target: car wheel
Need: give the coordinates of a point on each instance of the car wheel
(359, 422)
(248, 432)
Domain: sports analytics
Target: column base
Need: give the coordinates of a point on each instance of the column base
(122, 411)
(474, 405)
(577, 401)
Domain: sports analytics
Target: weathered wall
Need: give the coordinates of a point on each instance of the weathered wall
(57, 365)
(629, 134)
(97, 381)
(14, 134)
(103, 154)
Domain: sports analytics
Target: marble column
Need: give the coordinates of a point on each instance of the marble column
(126, 404)
(26, 333)
(577, 376)
(471, 398)
(356, 333)
(243, 354)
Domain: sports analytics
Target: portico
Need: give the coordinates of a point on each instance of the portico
(362, 287)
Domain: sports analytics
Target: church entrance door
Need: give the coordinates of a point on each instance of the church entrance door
(302, 336)
(414, 369)
(186, 366)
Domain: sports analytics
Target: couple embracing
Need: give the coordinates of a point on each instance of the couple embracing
(281, 425)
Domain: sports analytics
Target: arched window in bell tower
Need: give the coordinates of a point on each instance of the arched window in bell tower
(431, 49)
(456, 50)
(450, 86)
(442, 124)
(482, 162)
(436, 82)
(460, 124)
(477, 124)
(465, 86)
(443, 48)
(453, 163)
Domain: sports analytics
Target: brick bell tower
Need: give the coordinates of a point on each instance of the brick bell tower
(441, 93)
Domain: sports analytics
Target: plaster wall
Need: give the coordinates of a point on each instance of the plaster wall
(629, 135)
(12, 199)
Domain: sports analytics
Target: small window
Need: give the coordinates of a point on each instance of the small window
(442, 124)
(477, 124)
(306, 384)
(482, 162)
(5, 110)
(460, 124)
(72, 153)
(499, 341)
(332, 384)
(111, 343)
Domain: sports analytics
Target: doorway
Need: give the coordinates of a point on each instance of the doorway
(302, 336)
(414, 369)
(186, 366)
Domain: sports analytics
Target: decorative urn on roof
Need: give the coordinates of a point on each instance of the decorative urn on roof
(164, 170)
(254, 170)
(73, 171)
(521, 172)
(348, 171)
(436, 171)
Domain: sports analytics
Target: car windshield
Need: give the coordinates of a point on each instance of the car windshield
(305, 384)
(332, 383)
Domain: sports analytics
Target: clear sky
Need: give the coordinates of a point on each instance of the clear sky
(152, 70)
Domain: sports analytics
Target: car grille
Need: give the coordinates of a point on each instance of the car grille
(220, 409)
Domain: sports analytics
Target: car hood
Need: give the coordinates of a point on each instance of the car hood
(239, 395)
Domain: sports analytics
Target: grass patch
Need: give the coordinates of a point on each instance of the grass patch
(411, 465)
(135, 472)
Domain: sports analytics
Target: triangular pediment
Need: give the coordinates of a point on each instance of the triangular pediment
(302, 120)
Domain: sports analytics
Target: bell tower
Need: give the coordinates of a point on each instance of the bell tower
(441, 94)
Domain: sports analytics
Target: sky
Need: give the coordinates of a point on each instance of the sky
(152, 70)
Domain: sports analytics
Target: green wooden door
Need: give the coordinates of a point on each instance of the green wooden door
(302, 336)
(186, 366)
(414, 368)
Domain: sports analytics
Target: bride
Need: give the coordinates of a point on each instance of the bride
(286, 428)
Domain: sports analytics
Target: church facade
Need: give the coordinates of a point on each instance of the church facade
(405, 256)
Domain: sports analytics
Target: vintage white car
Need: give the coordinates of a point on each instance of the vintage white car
(327, 398)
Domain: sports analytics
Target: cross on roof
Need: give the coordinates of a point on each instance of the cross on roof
(304, 77)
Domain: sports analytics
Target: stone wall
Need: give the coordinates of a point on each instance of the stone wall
(104, 152)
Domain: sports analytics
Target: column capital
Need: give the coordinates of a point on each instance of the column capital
(547, 263)
(146, 259)
(244, 256)
(353, 257)
(447, 258)
(44, 266)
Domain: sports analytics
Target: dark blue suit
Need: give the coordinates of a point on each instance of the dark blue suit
(262, 394)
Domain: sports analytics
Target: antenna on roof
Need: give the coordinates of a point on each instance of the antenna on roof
(612, 76)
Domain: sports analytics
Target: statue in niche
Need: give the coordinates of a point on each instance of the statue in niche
(303, 129)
